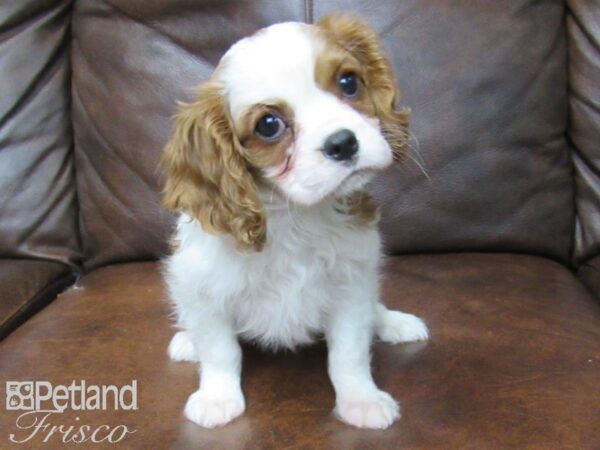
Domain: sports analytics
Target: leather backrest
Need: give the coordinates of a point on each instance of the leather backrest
(486, 81)
(38, 208)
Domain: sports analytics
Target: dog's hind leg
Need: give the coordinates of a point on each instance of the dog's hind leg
(395, 327)
(181, 348)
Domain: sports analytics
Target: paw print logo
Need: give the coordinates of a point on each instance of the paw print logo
(19, 395)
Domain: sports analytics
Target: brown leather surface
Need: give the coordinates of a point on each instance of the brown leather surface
(513, 362)
(38, 212)
(487, 84)
(583, 25)
(589, 273)
(125, 86)
(26, 285)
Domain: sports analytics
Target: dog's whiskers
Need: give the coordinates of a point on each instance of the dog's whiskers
(401, 136)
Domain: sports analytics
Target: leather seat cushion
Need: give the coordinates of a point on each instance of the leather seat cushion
(513, 361)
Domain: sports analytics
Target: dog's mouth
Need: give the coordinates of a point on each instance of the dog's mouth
(281, 170)
(287, 166)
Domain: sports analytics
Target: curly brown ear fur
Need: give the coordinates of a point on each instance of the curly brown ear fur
(207, 175)
(363, 43)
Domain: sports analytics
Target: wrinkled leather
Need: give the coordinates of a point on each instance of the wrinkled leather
(513, 362)
(583, 25)
(26, 285)
(38, 210)
(486, 82)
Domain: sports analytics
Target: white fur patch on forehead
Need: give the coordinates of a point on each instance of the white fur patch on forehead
(275, 63)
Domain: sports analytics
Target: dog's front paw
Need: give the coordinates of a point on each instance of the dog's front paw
(376, 409)
(181, 348)
(395, 327)
(212, 411)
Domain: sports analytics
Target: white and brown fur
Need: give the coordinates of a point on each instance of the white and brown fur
(276, 243)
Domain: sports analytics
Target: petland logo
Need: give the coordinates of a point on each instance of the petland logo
(42, 403)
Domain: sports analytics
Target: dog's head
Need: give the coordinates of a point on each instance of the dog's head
(307, 110)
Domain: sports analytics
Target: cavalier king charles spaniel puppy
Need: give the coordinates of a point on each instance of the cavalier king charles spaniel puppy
(277, 241)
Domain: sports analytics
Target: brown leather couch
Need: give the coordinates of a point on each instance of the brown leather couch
(497, 248)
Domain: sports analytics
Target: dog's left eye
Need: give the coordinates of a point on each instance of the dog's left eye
(270, 127)
(349, 84)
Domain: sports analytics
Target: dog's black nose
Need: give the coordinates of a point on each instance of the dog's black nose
(341, 145)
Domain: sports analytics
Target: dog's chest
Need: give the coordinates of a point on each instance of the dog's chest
(290, 286)
(286, 296)
(283, 295)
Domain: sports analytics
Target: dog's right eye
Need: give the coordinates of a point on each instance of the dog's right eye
(270, 127)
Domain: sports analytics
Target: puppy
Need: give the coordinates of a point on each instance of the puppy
(276, 241)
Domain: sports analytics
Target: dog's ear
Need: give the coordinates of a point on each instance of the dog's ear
(206, 174)
(363, 43)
